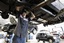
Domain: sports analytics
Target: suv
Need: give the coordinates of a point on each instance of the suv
(44, 35)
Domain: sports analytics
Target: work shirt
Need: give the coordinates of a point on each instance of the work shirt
(22, 27)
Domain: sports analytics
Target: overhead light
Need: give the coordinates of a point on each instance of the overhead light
(42, 20)
(34, 22)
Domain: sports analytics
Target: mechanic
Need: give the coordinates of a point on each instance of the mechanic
(22, 25)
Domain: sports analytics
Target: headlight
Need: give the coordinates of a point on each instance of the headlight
(54, 37)
(1, 36)
(44, 35)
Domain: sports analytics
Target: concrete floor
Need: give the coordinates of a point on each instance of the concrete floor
(35, 41)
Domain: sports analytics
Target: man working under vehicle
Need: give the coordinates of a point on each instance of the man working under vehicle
(22, 25)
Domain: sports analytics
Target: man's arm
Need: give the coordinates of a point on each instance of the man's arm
(33, 16)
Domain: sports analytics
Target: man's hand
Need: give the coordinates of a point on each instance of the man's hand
(24, 15)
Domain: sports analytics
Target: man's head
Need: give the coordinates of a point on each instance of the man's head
(18, 8)
(20, 4)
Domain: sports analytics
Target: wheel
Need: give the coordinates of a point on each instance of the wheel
(50, 41)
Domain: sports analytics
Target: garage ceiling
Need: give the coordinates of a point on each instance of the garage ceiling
(45, 12)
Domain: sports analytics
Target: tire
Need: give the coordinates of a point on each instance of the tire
(50, 41)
